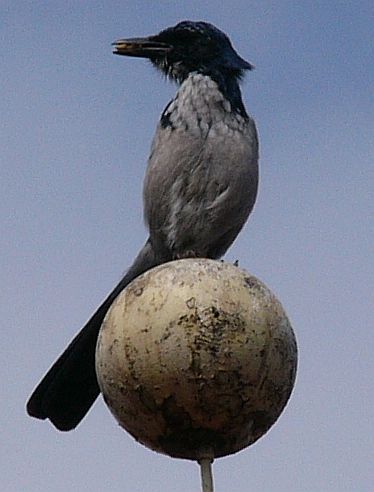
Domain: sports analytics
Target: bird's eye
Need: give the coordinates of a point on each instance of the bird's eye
(188, 36)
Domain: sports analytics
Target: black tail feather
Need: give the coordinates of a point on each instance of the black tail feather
(70, 387)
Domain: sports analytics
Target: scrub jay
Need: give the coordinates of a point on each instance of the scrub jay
(199, 188)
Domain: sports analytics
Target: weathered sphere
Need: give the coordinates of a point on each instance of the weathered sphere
(196, 354)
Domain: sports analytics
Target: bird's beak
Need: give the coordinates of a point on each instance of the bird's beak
(140, 47)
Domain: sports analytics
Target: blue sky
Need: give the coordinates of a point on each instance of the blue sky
(75, 133)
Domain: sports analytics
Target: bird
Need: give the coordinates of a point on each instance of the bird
(199, 188)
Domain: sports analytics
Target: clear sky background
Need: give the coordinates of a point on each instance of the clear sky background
(76, 125)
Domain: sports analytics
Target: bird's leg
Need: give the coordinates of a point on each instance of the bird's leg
(189, 253)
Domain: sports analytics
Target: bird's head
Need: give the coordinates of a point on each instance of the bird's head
(185, 48)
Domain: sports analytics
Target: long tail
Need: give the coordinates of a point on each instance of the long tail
(70, 387)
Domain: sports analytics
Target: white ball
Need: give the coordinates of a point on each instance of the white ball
(196, 354)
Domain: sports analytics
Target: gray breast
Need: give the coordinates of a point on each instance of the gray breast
(202, 175)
